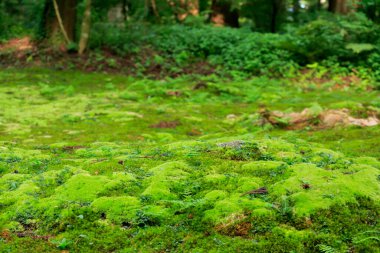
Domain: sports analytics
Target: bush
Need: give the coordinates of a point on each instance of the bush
(343, 41)
(232, 49)
(349, 37)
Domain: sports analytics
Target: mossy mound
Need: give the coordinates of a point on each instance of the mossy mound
(215, 185)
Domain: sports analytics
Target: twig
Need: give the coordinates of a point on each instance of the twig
(261, 190)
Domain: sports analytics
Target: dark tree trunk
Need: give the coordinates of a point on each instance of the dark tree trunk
(332, 6)
(296, 9)
(273, 24)
(338, 6)
(223, 15)
(67, 10)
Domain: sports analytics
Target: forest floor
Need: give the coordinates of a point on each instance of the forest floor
(108, 163)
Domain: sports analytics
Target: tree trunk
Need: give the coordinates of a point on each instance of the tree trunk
(67, 11)
(151, 11)
(319, 5)
(296, 9)
(183, 8)
(341, 7)
(273, 25)
(223, 15)
(193, 7)
(86, 26)
(338, 6)
(332, 5)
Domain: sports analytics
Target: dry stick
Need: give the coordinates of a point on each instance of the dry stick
(85, 27)
(60, 21)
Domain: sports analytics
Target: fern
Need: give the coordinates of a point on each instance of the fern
(326, 249)
(372, 235)
(357, 48)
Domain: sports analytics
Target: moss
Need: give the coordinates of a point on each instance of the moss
(215, 195)
(263, 168)
(25, 191)
(87, 166)
(82, 188)
(326, 188)
(117, 209)
(164, 176)
(234, 204)
(371, 161)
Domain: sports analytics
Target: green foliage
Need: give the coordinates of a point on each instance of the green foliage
(19, 18)
(326, 249)
(238, 50)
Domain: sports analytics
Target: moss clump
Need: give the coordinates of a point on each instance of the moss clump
(264, 168)
(234, 204)
(312, 188)
(117, 209)
(164, 178)
(81, 188)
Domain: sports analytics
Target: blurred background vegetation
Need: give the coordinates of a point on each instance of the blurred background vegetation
(239, 37)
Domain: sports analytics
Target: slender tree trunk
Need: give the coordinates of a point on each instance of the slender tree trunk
(154, 8)
(60, 23)
(124, 6)
(151, 11)
(273, 25)
(223, 15)
(319, 5)
(296, 9)
(86, 26)
(67, 12)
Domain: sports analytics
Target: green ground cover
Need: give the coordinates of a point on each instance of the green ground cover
(106, 163)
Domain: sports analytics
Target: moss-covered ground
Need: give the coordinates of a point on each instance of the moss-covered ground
(106, 163)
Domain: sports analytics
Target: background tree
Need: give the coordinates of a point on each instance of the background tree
(223, 13)
(67, 11)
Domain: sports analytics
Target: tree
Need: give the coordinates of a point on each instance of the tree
(67, 12)
(267, 15)
(338, 6)
(86, 26)
(184, 8)
(223, 13)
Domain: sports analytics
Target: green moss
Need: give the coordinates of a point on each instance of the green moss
(234, 204)
(164, 177)
(117, 209)
(246, 184)
(263, 168)
(89, 167)
(82, 188)
(215, 195)
(326, 188)
(371, 161)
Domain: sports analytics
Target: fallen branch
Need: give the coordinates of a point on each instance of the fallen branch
(262, 190)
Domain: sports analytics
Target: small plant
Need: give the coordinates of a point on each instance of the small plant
(326, 249)
(62, 244)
